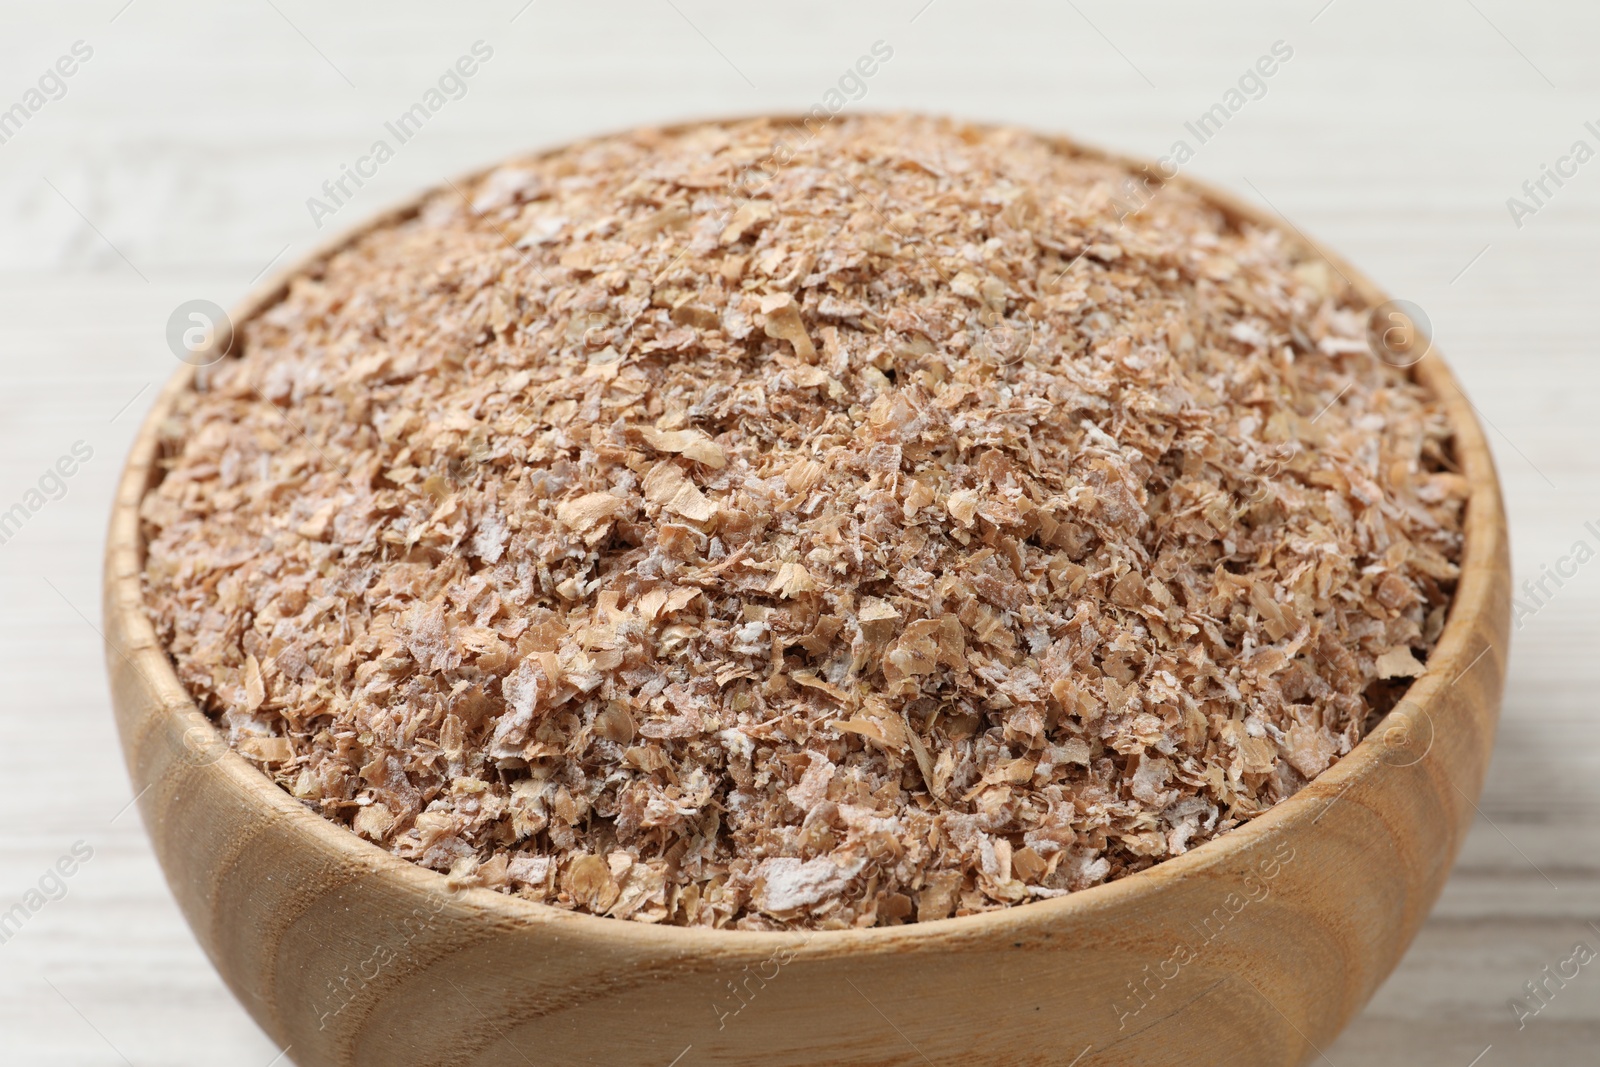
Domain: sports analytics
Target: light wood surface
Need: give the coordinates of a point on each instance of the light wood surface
(189, 144)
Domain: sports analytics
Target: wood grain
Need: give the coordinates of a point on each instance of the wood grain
(352, 957)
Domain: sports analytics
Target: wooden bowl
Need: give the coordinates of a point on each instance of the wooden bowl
(1253, 949)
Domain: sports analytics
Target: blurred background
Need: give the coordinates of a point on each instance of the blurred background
(154, 152)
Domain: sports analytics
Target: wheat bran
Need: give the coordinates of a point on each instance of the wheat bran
(758, 526)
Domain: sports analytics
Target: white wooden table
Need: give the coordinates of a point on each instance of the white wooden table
(177, 165)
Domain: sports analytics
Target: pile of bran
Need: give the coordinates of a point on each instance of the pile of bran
(763, 526)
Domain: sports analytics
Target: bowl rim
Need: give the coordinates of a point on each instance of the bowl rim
(1484, 544)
